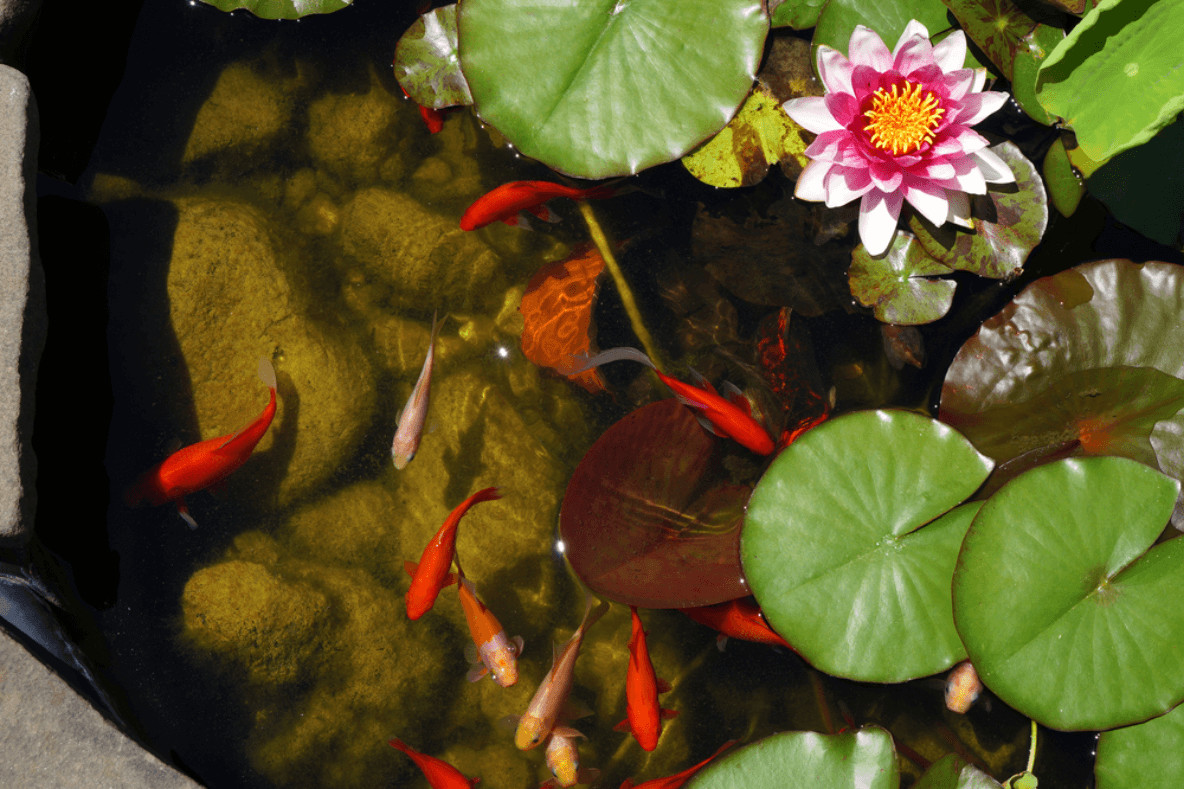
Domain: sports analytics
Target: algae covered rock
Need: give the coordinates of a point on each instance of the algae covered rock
(353, 135)
(354, 527)
(230, 303)
(247, 111)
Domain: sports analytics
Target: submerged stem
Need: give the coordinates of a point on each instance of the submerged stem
(614, 270)
(1032, 749)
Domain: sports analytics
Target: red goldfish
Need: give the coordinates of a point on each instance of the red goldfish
(496, 654)
(506, 201)
(544, 707)
(440, 774)
(431, 574)
(962, 688)
(643, 714)
(563, 759)
(432, 118)
(415, 412)
(740, 618)
(731, 417)
(678, 779)
(198, 466)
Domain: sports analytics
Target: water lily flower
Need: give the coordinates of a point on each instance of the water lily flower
(895, 126)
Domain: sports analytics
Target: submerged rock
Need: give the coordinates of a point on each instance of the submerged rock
(354, 135)
(356, 526)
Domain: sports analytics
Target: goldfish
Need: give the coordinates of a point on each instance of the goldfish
(496, 655)
(206, 463)
(962, 688)
(432, 118)
(740, 618)
(440, 774)
(643, 715)
(506, 201)
(730, 417)
(544, 707)
(678, 779)
(431, 574)
(415, 412)
(563, 759)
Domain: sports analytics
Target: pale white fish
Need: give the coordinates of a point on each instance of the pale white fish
(563, 759)
(415, 412)
(962, 688)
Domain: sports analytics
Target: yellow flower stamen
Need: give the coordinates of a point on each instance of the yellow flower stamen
(901, 121)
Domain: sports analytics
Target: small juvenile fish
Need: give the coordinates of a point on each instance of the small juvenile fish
(440, 774)
(431, 574)
(496, 654)
(962, 688)
(644, 715)
(206, 463)
(731, 417)
(678, 779)
(563, 759)
(504, 203)
(740, 618)
(553, 691)
(415, 412)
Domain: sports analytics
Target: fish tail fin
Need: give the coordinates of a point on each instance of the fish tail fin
(605, 357)
(183, 511)
(592, 615)
(267, 372)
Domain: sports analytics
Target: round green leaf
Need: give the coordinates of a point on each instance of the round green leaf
(953, 772)
(1118, 77)
(798, 14)
(599, 88)
(888, 18)
(1063, 614)
(1144, 186)
(901, 286)
(281, 9)
(1007, 224)
(1144, 756)
(1065, 187)
(865, 759)
(426, 62)
(834, 550)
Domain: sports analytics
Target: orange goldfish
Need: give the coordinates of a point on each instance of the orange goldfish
(506, 201)
(440, 774)
(544, 707)
(740, 618)
(962, 688)
(432, 118)
(431, 574)
(415, 412)
(198, 466)
(643, 714)
(563, 759)
(731, 416)
(496, 655)
(678, 779)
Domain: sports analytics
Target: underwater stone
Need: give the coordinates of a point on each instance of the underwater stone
(230, 303)
(246, 112)
(450, 179)
(252, 618)
(352, 135)
(354, 526)
(424, 257)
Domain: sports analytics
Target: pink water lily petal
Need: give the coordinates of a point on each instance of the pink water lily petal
(878, 214)
(960, 139)
(993, 168)
(912, 31)
(959, 212)
(810, 182)
(968, 178)
(866, 49)
(844, 184)
(886, 177)
(914, 55)
(843, 107)
(935, 170)
(980, 79)
(950, 53)
(836, 147)
(834, 70)
(958, 83)
(929, 199)
(811, 114)
(977, 106)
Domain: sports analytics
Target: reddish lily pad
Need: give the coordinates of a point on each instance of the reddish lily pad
(902, 286)
(1008, 224)
(649, 519)
(426, 62)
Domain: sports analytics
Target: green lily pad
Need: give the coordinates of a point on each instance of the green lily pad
(798, 14)
(1008, 224)
(953, 772)
(1144, 186)
(600, 88)
(280, 9)
(901, 286)
(759, 136)
(1088, 361)
(1043, 40)
(1118, 77)
(426, 62)
(1063, 614)
(888, 18)
(834, 532)
(1075, 7)
(1065, 186)
(1147, 755)
(864, 759)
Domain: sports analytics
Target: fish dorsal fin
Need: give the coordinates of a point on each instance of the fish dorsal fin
(707, 425)
(732, 393)
(700, 381)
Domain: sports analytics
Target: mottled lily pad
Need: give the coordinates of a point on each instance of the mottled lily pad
(902, 287)
(598, 88)
(281, 9)
(426, 62)
(858, 515)
(1147, 755)
(1088, 361)
(864, 759)
(1008, 224)
(1066, 614)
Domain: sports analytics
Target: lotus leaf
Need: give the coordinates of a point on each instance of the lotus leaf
(281, 9)
(426, 63)
(902, 287)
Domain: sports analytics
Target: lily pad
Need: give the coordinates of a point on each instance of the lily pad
(888, 18)
(599, 88)
(1118, 77)
(1147, 755)
(1000, 28)
(1008, 224)
(427, 65)
(864, 759)
(798, 14)
(648, 518)
(1065, 186)
(953, 772)
(834, 532)
(760, 136)
(1144, 187)
(280, 9)
(1064, 616)
(902, 287)
(1088, 361)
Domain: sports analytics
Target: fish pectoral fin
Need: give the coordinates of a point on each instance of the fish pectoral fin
(519, 645)
(734, 396)
(183, 511)
(663, 685)
(623, 726)
(587, 775)
(573, 709)
(708, 426)
(410, 568)
(476, 673)
(471, 654)
(668, 714)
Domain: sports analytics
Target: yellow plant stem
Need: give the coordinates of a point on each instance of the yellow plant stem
(626, 293)
(1032, 749)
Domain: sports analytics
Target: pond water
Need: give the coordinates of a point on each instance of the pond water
(269, 193)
